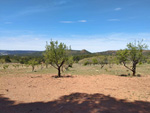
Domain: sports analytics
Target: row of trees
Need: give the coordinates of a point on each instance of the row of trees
(99, 60)
(133, 55)
(57, 54)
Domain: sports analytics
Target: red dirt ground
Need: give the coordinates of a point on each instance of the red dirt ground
(76, 94)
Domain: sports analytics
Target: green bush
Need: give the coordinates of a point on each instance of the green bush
(5, 66)
(86, 63)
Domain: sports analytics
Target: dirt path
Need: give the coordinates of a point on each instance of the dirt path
(86, 91)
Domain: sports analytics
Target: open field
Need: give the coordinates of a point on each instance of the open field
(23, 91)
(77, 69)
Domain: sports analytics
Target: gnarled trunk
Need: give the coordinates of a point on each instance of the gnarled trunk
(133, 73)
(134, 69)
(32, 68)
(59, 72)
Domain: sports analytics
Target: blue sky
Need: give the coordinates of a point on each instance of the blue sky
(95, 25)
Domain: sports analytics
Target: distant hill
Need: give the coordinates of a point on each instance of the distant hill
(146, 52)
(38, 53)
(80, 52)
(109, 52)
(113, 52)
(19, 52)
(73, 52)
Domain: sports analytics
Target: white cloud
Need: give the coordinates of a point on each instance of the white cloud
(68, 22)
(97, 43)
(92, 43)
(36, 39)
(23, 42)
(30, 10)
(117, 9)
(113, 20)
(44, 7)
(82, 20)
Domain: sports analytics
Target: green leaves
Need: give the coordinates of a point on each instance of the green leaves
(94, 61)
(56, 54)
(136, 51)
(33, 62)
(133, 54)
(122, 55)
(2, 61)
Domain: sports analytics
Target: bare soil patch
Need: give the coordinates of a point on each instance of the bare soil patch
(78, 94)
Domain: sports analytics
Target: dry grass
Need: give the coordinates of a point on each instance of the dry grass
(77, 69)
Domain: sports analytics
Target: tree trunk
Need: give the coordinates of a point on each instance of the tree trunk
(59, 73)
(32, 68)
(46, 65)
(134, 69)
(133, 73)
(102, 66)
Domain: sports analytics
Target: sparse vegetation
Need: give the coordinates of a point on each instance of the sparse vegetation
(133, 54)
(77, 69)
(33, 62)
(56, 55)
(5, 66)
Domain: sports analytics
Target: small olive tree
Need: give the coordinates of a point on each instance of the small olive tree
(133, 53)
(103, 61)
(56, 55)
(94, 61)
(46, 58)
(33, 63)
(2, 61)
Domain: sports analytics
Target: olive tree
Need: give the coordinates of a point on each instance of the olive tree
(56, 55)
(133, 53)
(33, 62)
(94, 61)
(46, 59)
(103, 61)
(2, 61)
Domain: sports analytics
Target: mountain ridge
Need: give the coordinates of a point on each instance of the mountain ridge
(73, 52)
(38, 53)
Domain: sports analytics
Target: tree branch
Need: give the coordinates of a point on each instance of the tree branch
(54, 66)
(126, 66)
(62, 63)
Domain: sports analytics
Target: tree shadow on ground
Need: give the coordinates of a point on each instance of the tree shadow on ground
(76, 103)
(63, 76)
(125, 75)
